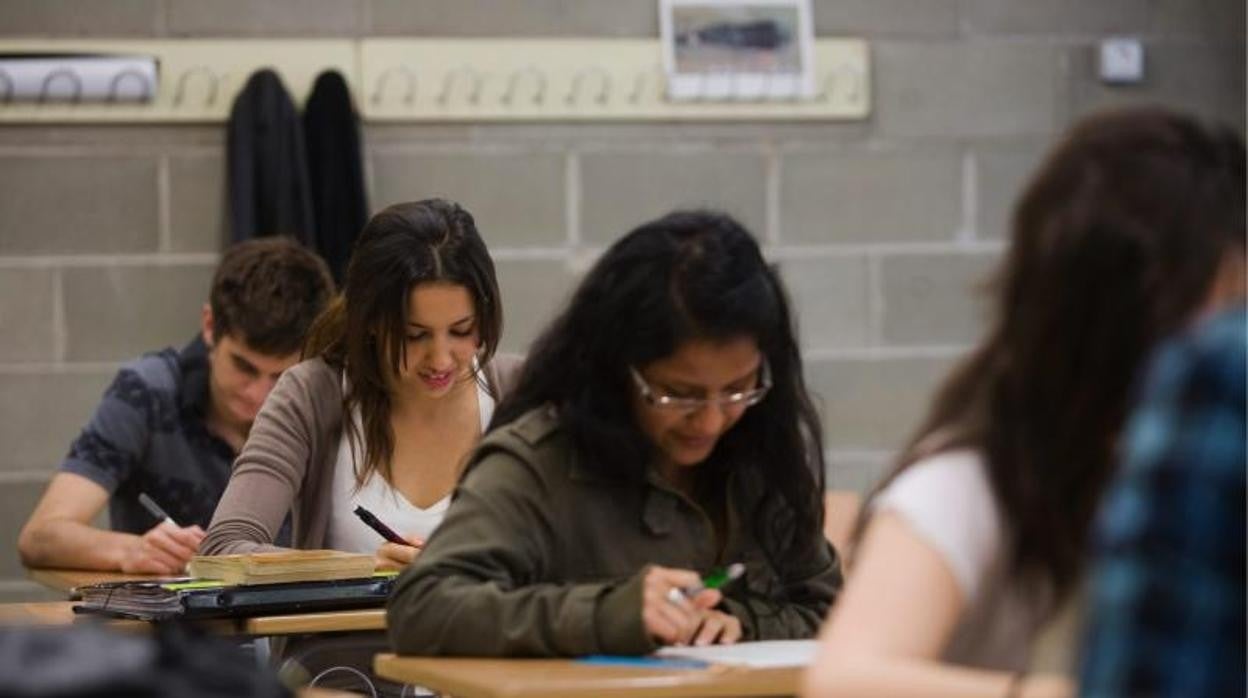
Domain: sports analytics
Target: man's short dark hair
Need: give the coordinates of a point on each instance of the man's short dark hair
(267, 292)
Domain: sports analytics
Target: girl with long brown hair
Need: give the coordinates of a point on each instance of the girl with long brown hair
(1132, 227)
(399, 379)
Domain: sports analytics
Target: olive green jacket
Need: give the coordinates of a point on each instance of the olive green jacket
(541, 556)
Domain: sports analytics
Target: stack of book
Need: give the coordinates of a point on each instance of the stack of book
(290, 581)
(283, 566)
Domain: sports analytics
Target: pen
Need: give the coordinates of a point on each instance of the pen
(374, 523)
(151, 505)
(714, 580)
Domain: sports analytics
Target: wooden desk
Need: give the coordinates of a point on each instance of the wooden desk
(565, 678)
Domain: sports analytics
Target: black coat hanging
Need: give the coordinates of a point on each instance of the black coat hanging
(331, 130)
(266, 163)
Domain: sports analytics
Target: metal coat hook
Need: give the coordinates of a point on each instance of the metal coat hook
(179, 92)
(409, 95)
(605, 84)
(513, 82)
(9, 87)
(448, 84)
(114, 86)
(61, 73)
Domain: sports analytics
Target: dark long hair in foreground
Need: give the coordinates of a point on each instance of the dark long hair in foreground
(686, 276)
(1116, 242)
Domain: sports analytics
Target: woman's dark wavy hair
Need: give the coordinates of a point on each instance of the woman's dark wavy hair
(362, 332)
(1116, 244)
(690, 275)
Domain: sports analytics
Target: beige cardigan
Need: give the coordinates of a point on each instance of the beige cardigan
(288, 460)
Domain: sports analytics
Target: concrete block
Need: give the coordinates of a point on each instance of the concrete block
(859, 472)
(71, 18)
(862, 197)
(829, 298)
(41, 413)
(1207, 80)
(533, 292)
(54, 205)
(933, 298)
(620, 191)
(517, 199)
(27, 309)
(19, 500)
(974, 89)
(536, 18)
(1055, 16)
(1001, 173)
(875, 18)
(198, 211)
(1220, 20)
(116, 313)
(330, 18)
(873, 404)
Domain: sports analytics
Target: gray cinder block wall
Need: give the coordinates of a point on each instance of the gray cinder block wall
(883, 228)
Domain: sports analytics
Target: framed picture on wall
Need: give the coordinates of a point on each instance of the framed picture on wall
(720, 50)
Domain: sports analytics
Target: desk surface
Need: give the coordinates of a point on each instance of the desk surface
(564, 678)
(68, 580)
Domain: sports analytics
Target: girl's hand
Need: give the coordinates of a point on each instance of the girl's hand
(392, 556)
(671, 618)
(718, 628)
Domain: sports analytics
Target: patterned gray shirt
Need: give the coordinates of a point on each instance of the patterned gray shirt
(148, 435)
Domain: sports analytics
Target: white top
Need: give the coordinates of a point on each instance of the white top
(347, 532)
(947, 502)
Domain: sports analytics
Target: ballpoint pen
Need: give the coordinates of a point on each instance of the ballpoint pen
(714, 580)
(374, 523)
(155, 510)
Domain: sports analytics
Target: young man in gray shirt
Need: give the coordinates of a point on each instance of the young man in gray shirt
(172, 421)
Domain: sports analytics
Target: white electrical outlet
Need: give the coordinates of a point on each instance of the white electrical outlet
(1122, 60)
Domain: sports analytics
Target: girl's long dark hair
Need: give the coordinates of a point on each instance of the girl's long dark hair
(689, 275)
(1116, 242)
(362, 332)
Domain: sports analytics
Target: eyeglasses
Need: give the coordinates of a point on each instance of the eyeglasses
(744, 398)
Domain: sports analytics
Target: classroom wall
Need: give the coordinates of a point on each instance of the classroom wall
(883, 228)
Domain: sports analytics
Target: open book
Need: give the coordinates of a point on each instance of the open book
(282, 566)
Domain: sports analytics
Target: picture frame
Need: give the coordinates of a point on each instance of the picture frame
(725, 50)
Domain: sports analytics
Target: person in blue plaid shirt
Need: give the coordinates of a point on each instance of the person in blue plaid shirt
(1166, 609)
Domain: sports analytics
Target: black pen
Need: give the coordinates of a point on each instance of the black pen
(374, 523)
(155, 510)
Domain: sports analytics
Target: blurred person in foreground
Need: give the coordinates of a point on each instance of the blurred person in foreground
(1131, 229)
(1166, 602)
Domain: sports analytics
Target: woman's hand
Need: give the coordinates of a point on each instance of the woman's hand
(392, 556)
(673, 619)
(718, 628)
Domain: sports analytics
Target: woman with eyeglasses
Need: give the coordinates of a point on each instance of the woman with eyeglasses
(661, 431)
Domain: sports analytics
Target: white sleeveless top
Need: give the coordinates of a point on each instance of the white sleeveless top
(947, 501)
(347, 532)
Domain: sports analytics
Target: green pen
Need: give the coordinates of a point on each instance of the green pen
(714, 580)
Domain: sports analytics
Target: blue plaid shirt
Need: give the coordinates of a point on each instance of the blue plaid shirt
(1166, 604)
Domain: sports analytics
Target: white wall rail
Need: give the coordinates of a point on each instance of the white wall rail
(404, 80)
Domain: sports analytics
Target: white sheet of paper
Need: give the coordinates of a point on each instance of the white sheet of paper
(766, 654)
